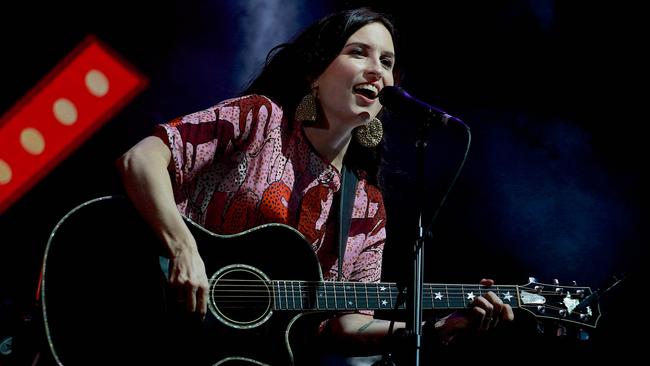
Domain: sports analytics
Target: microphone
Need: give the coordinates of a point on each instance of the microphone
(401, 102)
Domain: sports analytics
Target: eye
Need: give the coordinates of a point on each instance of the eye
(356, 51)
(387, 62)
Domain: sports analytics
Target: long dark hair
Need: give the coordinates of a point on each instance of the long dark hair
(291, 67)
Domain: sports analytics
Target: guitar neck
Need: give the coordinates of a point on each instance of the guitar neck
(305, 295)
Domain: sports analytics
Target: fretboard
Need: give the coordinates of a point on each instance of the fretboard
(304, 295)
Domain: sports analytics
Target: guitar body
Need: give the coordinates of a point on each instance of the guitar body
(106, 301)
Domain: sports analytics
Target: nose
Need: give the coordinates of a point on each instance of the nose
(374, 69)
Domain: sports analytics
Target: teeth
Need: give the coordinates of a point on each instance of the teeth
(369, 87)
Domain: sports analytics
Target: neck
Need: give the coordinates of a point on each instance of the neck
(330, 144)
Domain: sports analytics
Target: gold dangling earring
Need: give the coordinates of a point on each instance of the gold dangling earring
(306, 109)
(369, 135)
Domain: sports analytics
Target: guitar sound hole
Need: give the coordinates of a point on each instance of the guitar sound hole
(240, 296)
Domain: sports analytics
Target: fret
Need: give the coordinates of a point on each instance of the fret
(337, 297)
(279, 302)
(293, 295)
(456, 296)
(371, 297)
(275, 304)
(325, 295)
(358, 302)
(365, 286)
(286, 295)
(319, 294)
(344, 300)
(290, 299)
(378, 303)
(307, 290)
(354, 292)
(438, 297)
(447, 296)
(301, 295)
(462, 297)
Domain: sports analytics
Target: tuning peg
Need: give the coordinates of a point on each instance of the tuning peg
(574, 283)
(538, 289)
(556, 282)
(541, 309)
(559, 290)
(532, 279)
(560, 331)
(563, 313)
(582, 335)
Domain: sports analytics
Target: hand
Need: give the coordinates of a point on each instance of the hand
(188, 279)
(485, 313)
(489, 309)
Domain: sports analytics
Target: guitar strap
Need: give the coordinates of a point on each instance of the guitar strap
(346, 203)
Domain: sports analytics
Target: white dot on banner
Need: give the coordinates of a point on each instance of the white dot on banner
(32, 141)
(97, 83)
(64, 111)
(5, 172)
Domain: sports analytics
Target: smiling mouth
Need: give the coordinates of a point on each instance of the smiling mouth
(366, 90)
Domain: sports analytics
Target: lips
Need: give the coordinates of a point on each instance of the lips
(367, 90)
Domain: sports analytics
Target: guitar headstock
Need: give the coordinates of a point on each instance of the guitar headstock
(564, 303)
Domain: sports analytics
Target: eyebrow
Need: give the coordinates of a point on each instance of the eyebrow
(361, 44)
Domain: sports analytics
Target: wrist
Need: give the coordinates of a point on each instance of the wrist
(438, 329)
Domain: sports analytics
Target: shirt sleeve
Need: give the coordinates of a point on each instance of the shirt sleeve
(196, 140)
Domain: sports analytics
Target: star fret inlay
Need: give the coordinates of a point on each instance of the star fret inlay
(507, 296)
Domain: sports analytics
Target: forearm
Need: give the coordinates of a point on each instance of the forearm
(361, 330)
(358, 330)
(144, 173)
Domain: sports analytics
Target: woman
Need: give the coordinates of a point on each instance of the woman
(276, 154)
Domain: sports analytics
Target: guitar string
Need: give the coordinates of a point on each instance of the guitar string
(426, 292)
(291, 300)
(338, 284)
(288, 298)
(376, 306)
(344, 287)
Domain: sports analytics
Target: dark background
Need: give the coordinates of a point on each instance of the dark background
(552, 187)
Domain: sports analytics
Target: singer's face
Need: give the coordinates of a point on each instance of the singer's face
(348, 87)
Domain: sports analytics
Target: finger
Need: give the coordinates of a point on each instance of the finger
(493, 298)
(191, 299)
(495, 321)
(487, 282)
(506, 313)
(179, 294)
(483, 303)
(500, 309)
(482, 319)
(202, 297)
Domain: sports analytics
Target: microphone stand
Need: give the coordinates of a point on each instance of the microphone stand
(414, 301)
